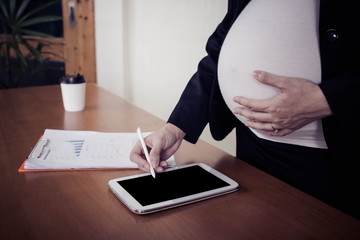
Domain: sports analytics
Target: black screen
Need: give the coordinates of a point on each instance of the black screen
(172, 184)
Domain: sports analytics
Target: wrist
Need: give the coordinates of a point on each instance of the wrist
(180, 134)
(324, 109)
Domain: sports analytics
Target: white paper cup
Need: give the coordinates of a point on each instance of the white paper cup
(73, 92)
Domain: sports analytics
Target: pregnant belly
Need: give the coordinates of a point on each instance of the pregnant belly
(279, 38)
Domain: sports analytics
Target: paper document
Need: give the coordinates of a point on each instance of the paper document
(64, 149)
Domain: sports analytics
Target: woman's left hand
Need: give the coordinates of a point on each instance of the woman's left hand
(298, 103)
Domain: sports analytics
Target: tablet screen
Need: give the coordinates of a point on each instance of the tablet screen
(171, 185)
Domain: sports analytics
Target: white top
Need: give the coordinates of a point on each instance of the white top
(280, 37)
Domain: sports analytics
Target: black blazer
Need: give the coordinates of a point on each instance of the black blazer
(202, 102)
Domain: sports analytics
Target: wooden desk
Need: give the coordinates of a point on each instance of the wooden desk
(79, 205)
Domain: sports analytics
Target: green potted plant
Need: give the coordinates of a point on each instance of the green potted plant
(15, 21)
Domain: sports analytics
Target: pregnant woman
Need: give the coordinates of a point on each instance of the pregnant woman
(285, 74)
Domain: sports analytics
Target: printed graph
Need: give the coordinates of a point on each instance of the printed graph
(77, 146)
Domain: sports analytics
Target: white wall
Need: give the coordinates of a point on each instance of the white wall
(147, 50)
(109, 32)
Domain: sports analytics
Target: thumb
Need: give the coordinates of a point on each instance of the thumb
(269, 79)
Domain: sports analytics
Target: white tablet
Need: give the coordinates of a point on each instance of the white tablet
(177, 186)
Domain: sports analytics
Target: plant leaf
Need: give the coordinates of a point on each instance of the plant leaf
(36, 33)
(52, 54)
(14, 18)
(4, 9)
(12, 8)
(37, 20)
(33, 51)
(37, 10)
(21, 9)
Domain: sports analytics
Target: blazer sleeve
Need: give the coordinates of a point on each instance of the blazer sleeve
(340, 60)
(191, 113)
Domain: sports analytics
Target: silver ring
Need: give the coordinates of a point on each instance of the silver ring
(275, 130)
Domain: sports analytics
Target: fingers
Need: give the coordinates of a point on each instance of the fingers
(268, 126)
(163, 165)
(258, 104)
(159, 150)
(252, 114)
(280, 132)
(137, 156)
(291, 108)
(279, 82)
(251, 104)
(270, 79)
(271, 129)
(259, 113)
(162, 143)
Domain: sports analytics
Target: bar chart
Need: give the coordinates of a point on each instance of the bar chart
(77, 146)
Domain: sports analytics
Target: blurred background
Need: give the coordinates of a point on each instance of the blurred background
(144, 51)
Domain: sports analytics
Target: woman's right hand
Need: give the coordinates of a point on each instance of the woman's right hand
(162, 144)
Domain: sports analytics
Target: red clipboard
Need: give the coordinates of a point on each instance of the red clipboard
(23, 169)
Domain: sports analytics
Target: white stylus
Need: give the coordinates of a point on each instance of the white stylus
(145, 151)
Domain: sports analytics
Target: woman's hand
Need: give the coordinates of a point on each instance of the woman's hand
(298, 103)
(162, 144)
